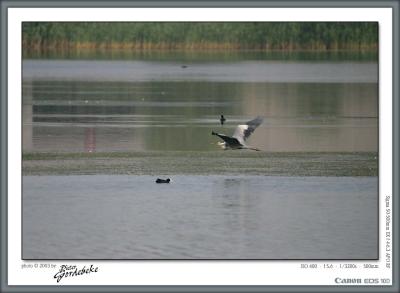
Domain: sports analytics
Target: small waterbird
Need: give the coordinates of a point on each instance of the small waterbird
(163, 180)
(241, 134)
(222, 119)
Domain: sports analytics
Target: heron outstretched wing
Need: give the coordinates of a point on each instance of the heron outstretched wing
(242, 132)
(232, 141)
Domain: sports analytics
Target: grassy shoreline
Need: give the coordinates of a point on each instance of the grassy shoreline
(189, 35)
(202, 163)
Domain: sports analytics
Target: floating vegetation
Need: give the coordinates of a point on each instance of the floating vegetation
(202, 163)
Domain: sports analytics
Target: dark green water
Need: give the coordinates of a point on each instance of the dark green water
(203, 56)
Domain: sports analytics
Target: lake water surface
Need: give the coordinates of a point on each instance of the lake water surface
(125, 105)
(100, 131)
(199, 217)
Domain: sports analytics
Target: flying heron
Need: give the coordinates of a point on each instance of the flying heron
(241, 134)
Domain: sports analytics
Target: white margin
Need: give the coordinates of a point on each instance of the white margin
(189, 272)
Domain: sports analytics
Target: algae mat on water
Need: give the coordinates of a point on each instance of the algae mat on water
(202, 163)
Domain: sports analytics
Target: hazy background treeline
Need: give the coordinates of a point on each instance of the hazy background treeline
(201, 35)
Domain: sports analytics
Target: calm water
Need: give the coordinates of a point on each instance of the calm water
(134, 105)
(155, 105)
(213, 217)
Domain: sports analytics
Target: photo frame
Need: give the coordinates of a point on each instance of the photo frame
(7, 161)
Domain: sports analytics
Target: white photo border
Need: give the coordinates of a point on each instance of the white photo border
(191, 272)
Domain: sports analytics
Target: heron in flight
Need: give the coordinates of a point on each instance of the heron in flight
(241, 134)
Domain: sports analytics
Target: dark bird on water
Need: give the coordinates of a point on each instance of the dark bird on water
(163, 180)
(222, 119)
(184, 66)
(241, 134)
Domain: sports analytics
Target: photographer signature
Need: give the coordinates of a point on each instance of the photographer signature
(72, 271)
